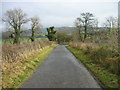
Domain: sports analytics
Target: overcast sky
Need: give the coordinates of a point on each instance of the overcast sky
(63, 12)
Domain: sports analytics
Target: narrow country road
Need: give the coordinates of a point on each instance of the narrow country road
(61, 70)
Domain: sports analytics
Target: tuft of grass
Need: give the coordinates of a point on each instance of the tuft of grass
(108, 79)
(23, 68)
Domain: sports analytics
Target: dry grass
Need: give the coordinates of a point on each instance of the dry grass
(81, 45)
(12, 52)
(19, 60)
(104, 56)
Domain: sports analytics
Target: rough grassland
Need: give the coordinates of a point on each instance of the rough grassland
(108, 79)
(24, 68)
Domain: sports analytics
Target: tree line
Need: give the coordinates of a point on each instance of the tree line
(16, 18)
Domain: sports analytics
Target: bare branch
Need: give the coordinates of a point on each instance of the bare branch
(15, 18)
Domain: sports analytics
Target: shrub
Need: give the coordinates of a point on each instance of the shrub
(100, 54)
(106, 57)
(112, 64)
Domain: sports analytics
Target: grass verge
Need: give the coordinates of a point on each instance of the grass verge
(108, 79)
(23, 69)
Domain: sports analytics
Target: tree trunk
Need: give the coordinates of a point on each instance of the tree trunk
(80, 35)
(17, 37)
(33, 36)
(85, 32)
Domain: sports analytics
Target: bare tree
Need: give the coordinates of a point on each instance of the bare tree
(85, 19)
(111, 22)
(15, 18)
(35, 26)
(78, 24)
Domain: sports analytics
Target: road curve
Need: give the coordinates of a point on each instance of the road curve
(61, 70)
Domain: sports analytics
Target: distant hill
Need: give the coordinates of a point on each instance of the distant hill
(68, 30)
(43, 32)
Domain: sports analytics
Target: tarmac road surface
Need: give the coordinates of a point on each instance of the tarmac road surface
(61, 70)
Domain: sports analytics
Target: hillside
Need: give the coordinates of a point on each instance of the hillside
(43, 32)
